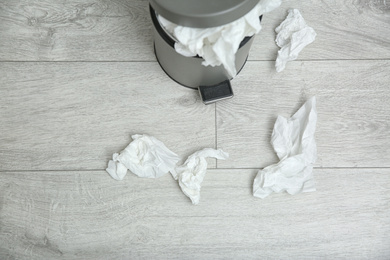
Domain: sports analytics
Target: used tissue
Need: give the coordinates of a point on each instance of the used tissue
(145, 156)
(148, 157)
(218, 45)
(294, 143)
(293, 35)
(191, 174)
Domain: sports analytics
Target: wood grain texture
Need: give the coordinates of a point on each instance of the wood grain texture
(347, 29)
(353, 112)
(63, 116)
(67, 215)
(75, 30)
(120, 30)
(79, 77)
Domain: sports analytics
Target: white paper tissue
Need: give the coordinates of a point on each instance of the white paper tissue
(145, 156)
(218, 45)
(293, 35)
(192, 172)
(294, 143)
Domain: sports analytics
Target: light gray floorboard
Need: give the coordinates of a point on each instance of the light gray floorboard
(75, 30)
(353, 112)
(120, 30)
(348, 29)
(61, 116)
(88, 215)
(79, 77)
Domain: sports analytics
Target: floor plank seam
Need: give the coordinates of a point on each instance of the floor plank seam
(149, 61)
(381, 59)
(77, 61)
(315, 168)
(216, 132)
(213, 169)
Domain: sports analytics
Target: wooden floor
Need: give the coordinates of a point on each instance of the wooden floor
(79, 77)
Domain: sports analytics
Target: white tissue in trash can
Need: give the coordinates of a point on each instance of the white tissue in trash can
(218, 45)
(294, 143)
(293, 35)
(191, 174)
(145, 156)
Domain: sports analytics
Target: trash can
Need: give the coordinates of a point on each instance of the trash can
(213, 83)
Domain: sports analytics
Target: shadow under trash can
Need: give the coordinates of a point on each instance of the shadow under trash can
(213, 83)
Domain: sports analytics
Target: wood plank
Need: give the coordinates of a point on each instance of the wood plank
(97, 30)
(345, 30)
(67, 116)
(353, 112)
(75, 30)
(88, 215)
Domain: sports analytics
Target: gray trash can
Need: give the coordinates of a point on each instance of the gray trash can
(213, 83)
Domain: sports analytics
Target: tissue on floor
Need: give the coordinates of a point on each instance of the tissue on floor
(148, 157)
(294, 143)
(191, 174)
(293, 35)
(145, 156)
(218, 45)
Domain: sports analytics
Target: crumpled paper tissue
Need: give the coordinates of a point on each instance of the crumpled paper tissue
(218, 45)
(191, 174)
(294, 143)
(148, 157)
(293, 35)
(145, 156)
